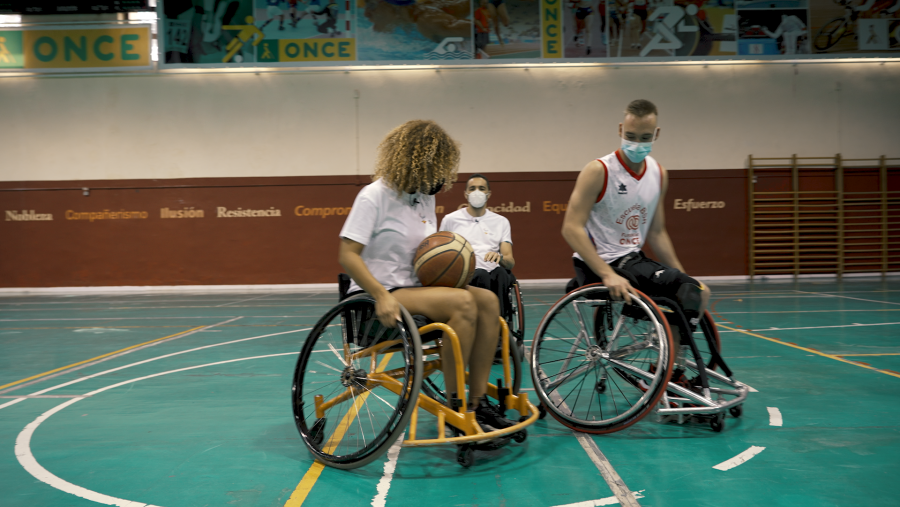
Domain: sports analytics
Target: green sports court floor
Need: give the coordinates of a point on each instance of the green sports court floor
(183, 400)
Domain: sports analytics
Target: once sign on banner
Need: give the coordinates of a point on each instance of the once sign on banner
(89, 48)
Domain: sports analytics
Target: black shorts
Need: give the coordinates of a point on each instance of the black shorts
(498, 281)
(653, 279)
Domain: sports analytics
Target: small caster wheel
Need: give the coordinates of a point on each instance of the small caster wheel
(317, 432)
(542, 411)
(717, 423)
(465, 456)
(600, 386)
(736, 411)
(520, 436)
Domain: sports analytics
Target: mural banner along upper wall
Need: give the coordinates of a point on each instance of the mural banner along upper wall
(226, 33)
(82, 48)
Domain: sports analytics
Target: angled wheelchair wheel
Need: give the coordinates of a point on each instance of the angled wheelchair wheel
(599, 365)
(707, 337)
(516, 317)
(355, 383)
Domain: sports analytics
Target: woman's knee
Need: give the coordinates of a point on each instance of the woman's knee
(485, 301)
(464, 305)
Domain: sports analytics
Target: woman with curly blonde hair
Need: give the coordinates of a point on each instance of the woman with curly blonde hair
(389, 218)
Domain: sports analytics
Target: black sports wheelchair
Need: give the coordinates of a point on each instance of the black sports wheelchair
(359, 386)
(600, 365)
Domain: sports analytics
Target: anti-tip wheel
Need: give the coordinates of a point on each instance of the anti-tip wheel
(717, 423)
(736, 411)
(465, 456)
(520, 436)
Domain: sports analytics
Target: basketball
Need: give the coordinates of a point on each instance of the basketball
(444, 259)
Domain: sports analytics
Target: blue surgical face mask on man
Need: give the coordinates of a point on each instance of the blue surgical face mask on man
(636, 152)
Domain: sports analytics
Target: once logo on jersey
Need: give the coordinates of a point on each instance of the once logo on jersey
(633, 222)
(623, 189)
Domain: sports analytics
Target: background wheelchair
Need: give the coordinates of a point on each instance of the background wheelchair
(600, 365)
(358, 385)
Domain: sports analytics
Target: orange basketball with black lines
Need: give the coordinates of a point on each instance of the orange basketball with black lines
(444, 259)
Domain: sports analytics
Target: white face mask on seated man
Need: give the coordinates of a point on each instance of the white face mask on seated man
(477, 199)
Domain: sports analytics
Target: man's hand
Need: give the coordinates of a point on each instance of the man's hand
(387, 308)
(618, 287)
(492, 257)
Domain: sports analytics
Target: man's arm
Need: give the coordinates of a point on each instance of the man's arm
(587, 187)
(508, 261)
(657, 237)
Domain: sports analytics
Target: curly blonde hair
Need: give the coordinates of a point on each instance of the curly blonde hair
(416, 157)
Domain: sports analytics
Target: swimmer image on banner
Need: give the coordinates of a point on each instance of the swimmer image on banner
(404, 30)
(642, 28)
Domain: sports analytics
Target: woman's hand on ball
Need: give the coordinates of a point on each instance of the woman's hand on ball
(387, 309)
(492, 257)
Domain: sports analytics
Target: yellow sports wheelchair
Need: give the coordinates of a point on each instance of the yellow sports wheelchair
(359, 386)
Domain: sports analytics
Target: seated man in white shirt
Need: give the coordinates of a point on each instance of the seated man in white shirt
(491, 239)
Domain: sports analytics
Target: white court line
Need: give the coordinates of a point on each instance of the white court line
(384, 485)
(610, 500)
(615, 483)
(170, 318)
(82, 379)
(102, 360)
(30, 464)
(243, 300)
(848, 297)
(759, 312)
(774, 416)
(814, 327)
(740, 458)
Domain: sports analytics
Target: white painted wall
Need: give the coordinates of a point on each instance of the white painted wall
(512, 119)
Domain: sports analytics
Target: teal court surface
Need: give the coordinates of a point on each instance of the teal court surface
(182, 400)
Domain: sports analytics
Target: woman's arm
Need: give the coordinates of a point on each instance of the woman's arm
(386, 306)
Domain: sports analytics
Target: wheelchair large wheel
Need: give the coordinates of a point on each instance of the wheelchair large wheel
(599, 365)
(355, 383)
(516, 317)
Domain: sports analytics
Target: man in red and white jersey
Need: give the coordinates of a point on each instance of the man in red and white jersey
(615, 208)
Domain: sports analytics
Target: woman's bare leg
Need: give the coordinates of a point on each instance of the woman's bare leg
(487, 334)
(455, 307)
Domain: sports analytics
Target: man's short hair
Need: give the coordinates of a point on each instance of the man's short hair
(478, 175)
(640, 108)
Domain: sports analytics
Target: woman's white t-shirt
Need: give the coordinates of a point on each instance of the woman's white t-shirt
(391, 226)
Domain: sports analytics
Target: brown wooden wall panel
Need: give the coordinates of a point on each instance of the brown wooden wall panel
(120, 233)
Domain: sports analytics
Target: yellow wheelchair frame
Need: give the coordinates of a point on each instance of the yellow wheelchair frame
(358, 384)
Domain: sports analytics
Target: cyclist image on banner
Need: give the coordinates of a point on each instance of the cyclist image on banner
(673, 28)
(773, 32)
(584, 32)
(855, 26)
(192, 32)
(414, 30)
(304, 19)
